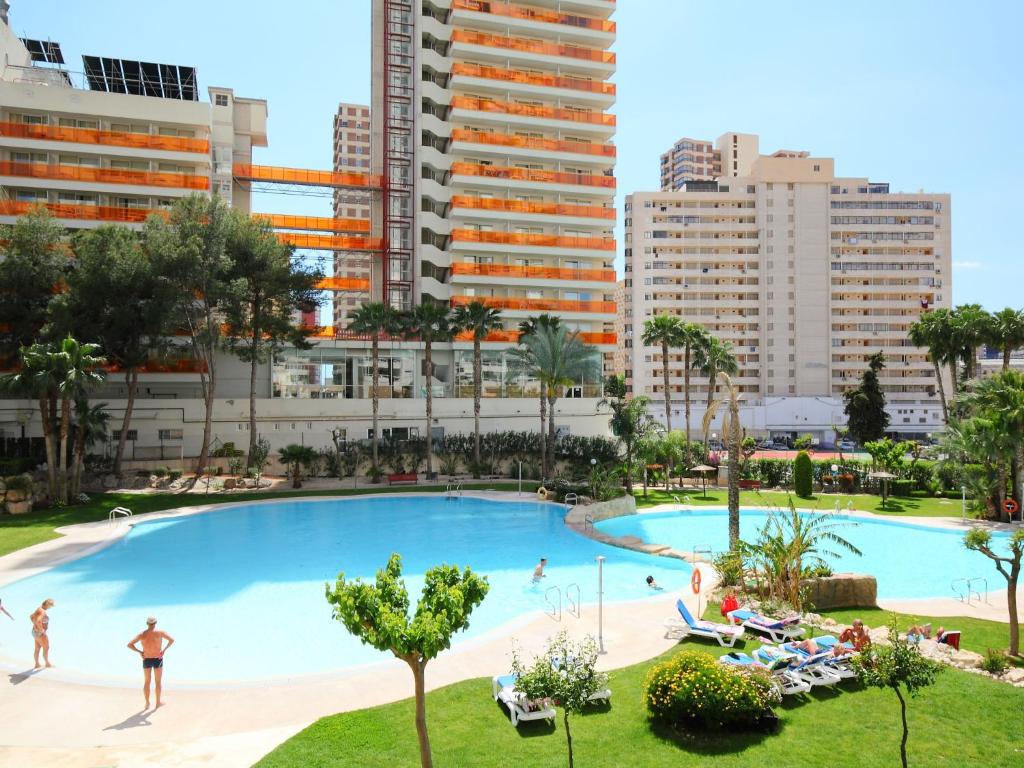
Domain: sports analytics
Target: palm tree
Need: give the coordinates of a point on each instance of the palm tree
(430, 322)
(295, 457)
(37, 380)
(1007, 332)
(90, 426)
(479, 319)
(376, 320)
(972, 326)
(526, 328)
(732, 436)
(666, 331)
(692, 337)
(78, 367)
(932, 332)
(631, 423)
(714, 356)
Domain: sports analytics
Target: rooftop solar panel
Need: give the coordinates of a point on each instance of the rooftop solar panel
(44, 51)
(141, 78)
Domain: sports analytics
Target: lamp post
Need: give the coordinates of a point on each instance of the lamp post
(600, 603)
(963, 502)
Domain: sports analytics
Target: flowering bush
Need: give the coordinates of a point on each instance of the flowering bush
(693, 689)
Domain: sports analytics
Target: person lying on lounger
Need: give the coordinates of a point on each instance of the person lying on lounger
(857, 635)
(811, 648)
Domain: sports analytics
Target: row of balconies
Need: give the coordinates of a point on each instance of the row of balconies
(97, 175)
(103, 138)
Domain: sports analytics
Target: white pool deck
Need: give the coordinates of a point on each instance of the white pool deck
(51, 718)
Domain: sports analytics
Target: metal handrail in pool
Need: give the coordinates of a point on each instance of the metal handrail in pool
(556, 610)
(574, 605)
(117, 513)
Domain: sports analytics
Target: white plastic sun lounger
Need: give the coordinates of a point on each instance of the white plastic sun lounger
(789, 684)
(839, 664)
(779, 630)
(810, 669)
(504, 690)
(725, 634)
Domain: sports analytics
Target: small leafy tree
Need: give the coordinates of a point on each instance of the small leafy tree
(980, 540)
(899, 666)
(865, 405)
(632, 424)
(565, 673)
(378, 614)
(258, 457)
(295, 457)
(803, 475)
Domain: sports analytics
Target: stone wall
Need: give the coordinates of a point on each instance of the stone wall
(16, 500)
(841, 590)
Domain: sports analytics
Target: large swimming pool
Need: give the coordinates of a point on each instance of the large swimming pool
(909, 561)
(241, 589)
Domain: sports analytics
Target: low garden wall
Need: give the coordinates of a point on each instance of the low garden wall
(841, 590)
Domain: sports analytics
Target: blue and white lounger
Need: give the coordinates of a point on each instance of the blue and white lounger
(788, 683)
(812, 670)
(725, 634)
(840, 663)
(779, 630)
(519, 708)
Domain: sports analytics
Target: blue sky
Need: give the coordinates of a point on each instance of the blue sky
(924, 95)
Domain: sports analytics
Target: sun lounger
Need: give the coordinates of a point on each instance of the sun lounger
(840, 664)
(788, 683)
(725, 634)
(810, 669)
(779, 630)
(519, 708)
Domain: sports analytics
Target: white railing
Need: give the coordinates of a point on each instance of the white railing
(571, 500)
(118, 513)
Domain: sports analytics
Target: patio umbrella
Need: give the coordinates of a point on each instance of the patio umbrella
(704, 469)
(885, 477)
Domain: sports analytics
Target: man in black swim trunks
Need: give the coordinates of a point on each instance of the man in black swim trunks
(152, 653)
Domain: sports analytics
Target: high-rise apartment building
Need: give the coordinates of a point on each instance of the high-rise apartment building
(806, 274)
(689, 160)
(351, 155)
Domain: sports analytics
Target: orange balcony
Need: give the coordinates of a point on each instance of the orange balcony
(541, 241)
(108, 138)
(529, 110)
(541, 305)
(532, 78)
(331, 242)
(471, 37)
(513, 337)
(343, 284)
(533, 14)
(103, 175)
(550, 145)
(87, 212)
(305, 177)
(314, 223)
(343, 334)
(522, 206)
(527, 174)
(545, 273)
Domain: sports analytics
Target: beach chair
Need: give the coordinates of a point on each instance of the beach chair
(519, 708)
(779, 630)
(811, 669)
(951, 637)
(788, 683)
(840, 664)
(725, 634)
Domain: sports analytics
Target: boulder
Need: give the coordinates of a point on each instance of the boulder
(841, 590)
(3, 486)
(109, 482)
(16, 496)
(230, 483)
(1015, 676)
(966, 659)
(17, 507)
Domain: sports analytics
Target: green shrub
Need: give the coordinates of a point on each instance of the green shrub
(803, 443)
(693, 690)
(803, 475)
(21, 483)
(902, 487)
(17, 465)
(160, 472)
(174, 474)
(729, 567)
(922, 473)
(995, 661)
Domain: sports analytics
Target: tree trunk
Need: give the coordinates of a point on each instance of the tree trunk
(686, 400)
(46, 416)
(1006, 357)
(568, 734)
(552, 399)
(477, 387)
(711, 385)
(296, 476)
(664, 379)
(374, 381)
(1016, 467)
(429, 360)
(906, 731)
(62, 459)
(204, 448)
(942, 393)
(953, 374)
(543, 434)
(418, 667)
(1011, 602)
(77, 462)
(254, 351)
(734, 479)
(131, 380)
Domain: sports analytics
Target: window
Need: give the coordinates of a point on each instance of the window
(133, 434)
(220, 99)
(170, 434)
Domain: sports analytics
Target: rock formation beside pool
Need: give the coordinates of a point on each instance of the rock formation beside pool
(17, 494)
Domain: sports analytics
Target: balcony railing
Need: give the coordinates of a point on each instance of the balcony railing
(523, 206)
(544, 273)
(533, 14)
(543, 305)
(529, 110)
(526, 142)
(86, 212)
(331, 243)
(528, 174)
(305, 176)
(108, 138)
(103, 175)
(533, 240)
(471, 37)
(343, 284)
(532, 78)
(314, 223)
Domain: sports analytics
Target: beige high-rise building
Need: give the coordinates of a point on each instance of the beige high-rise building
(804, 273)
(689, 160)
(351, 154)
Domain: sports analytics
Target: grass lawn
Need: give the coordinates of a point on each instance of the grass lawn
(963, 719)
(894, 506)
(17, 532)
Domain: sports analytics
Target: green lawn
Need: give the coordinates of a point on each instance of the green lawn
(17, 532)
(963, 719)
(894, 506)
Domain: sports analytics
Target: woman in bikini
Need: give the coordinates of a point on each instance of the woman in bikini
(40, 624)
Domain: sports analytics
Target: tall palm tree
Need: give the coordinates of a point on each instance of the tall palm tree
(90, 426)
(732, 436)
(37, 380)
(665, 331)
(712, 357)
(527, 364)
(972, 326)
(1000, 400)
(692, 337)
(479, 319)
(1007, 332)
(431, 323)
(78, 367)
(376, 320)
(932, 332)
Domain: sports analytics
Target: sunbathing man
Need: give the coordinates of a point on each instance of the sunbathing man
(856, 634)
(152, 654)
(40, 625)
(538, 572)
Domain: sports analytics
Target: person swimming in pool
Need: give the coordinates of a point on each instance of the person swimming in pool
(652, 583)
(40, 624)
(152, 653)
(538, 572)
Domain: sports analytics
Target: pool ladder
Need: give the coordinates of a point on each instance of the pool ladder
(453, 490)
(968, 592)
(571, 500)
(554, 611)
(117, 513)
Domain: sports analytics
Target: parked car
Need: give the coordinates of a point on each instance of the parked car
(846, 445)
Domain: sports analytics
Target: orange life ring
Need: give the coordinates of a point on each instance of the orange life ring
(695, 581)
(1011, 506)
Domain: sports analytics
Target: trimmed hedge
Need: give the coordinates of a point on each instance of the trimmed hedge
(803, 475)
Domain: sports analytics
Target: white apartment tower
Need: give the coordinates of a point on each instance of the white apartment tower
(351, 155)
(805, 273)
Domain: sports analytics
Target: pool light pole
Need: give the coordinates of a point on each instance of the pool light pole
(600, 603)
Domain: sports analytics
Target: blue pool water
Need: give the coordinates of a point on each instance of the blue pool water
(242, 589)
(909, 561)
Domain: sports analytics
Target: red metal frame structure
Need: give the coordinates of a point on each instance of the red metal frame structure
(398, 148)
